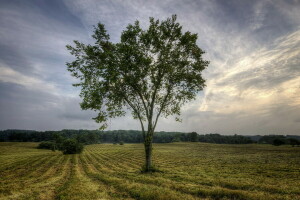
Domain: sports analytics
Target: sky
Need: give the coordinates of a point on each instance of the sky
(253, 80)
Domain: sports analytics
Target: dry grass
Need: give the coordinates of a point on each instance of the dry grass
(189, 171)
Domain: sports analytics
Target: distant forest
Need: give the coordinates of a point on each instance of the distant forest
(134, 136)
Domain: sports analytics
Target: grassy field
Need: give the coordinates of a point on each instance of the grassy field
(189, 171)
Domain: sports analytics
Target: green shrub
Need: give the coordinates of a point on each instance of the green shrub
(278, 142)
(176, 139)
(46, 145)
(294, 142)
(121, 143)
(71, 146)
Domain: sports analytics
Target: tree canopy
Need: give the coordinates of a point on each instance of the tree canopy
(151, 72)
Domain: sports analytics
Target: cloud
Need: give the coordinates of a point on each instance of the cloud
(264, 73)
(33, 38)
(8, 75)
(264, 86)
(252, 81)
(28, 108)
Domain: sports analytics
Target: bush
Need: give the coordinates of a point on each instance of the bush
(294, 142)
(46, 145)
(278, 142)
(176, 139)
(71, 146)
(121, 143)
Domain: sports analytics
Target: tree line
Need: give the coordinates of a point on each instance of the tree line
(278, 140)
(134, 136)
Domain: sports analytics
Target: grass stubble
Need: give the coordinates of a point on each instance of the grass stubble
(189, 171)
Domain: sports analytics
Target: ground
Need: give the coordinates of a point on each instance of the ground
(188, 171)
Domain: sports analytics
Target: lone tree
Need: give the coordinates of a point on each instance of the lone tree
(150, 72)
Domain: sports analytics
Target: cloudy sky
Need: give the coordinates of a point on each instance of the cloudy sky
(253, 81)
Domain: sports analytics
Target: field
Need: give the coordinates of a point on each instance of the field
(189, 171)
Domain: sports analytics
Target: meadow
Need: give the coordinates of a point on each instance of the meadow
(188, 171)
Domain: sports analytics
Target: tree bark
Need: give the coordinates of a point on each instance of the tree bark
(148, 164)
(148, 152)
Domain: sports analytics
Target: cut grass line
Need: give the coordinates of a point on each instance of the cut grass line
(20, 182)
(46, 189)
(107, 192)
(189, 171)
(128, 185)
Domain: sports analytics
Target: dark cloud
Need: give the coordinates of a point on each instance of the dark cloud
(24, 108)
(12, 57)
(253, 47)
(53, 10)
(264, 19)
(34, 35)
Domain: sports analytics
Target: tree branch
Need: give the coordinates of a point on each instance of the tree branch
(153, 97)
(136, 110)
(162, 107)
(138, 92)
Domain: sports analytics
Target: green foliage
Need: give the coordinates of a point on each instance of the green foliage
(127, 136)
(268, 139)
(193, 137)
(224, 139)
(121, 143)
(67, 146)
(176, 139)
(151, 72)
(46, 145)
(71, 146)
(278, 142)
(88, 138)
(294, 142)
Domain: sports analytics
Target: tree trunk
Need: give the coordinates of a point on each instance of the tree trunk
(148, 152)
(148, 164)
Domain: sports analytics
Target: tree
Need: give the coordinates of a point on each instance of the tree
(58, 140)
(150, 73)
(193, 137)
(294, 142)
(71, 146)
(46, 145)
(278, 142)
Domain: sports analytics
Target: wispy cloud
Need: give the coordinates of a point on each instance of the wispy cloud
(259, 76)
(262, 88)
(252, 81)
(8, 75)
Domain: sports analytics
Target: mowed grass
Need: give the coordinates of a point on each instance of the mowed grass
(189, 171)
